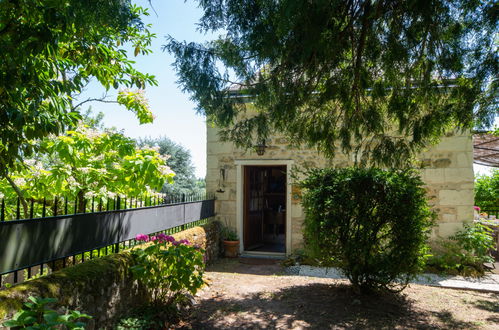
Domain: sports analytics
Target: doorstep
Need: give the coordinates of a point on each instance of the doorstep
(260, 254)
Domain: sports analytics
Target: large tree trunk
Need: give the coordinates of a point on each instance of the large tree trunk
(20, 195)
(81, 201)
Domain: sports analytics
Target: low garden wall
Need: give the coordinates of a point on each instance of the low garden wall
(103, 288)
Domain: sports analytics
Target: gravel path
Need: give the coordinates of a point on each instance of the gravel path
(489, 283)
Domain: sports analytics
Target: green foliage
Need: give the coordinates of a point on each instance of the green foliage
(371, 223)
(149, 317)
(136, 101)
(180, 161)
(86, 163)
(169, 269)
(50, 51)
(229, 234)
(379, 79)
(37, 315)
(464, 253)
(487, 190)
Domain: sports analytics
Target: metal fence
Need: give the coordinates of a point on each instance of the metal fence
(30, 248)
(491, 211)
(16, 209)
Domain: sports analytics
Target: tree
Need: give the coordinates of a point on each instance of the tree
(487, 190)
(50, 52)
(85, 164)
(179, 160)
(353, 218)
(381, 79)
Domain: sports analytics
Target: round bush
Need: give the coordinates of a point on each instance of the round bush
(372, 223)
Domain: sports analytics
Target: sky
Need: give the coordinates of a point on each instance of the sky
(175, 114)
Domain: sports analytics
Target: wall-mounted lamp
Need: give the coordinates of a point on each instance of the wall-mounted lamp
(221, 180)
(260, 148)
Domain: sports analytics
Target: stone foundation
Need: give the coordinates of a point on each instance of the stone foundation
(103, 288)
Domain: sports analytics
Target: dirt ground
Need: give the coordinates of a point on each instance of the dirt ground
(254, 294)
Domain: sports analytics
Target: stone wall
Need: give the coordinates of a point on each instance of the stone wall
(448, 173)
(103, 288)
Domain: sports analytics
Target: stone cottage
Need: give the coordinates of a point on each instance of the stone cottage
(256, 194)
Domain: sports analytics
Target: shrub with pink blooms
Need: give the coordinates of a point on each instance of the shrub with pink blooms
(170, 269)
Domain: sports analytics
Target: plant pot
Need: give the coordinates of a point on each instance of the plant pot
(231, 249)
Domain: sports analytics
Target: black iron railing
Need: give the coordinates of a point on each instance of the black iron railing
(491, 211)
(31, 208)
(30, 248)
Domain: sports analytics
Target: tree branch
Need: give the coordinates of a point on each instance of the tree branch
(93, 100)
(19, 194)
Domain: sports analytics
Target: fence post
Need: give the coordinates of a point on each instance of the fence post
(2, 211)
(55, 205)
(18, 208)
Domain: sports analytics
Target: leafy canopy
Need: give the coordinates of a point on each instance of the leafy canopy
(51, 49)
(180, 161)
(379, 78)
(487, 190)
(85, 164)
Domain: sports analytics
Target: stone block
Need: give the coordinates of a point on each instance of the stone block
(455, 197)
(446, 229)
(455, 143)
(446, 217)
(296, 241)
(458, 174)
(465, 213)
(219, 148)
(431, 175)
(464, 159)
(212, 161)
(228, 208)
(441, 163)
(296, 210)
(211, 134)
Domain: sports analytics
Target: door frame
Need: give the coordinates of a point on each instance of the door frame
(240, 197)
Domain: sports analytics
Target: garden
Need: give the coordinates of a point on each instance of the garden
(102, 230)
(351, 224)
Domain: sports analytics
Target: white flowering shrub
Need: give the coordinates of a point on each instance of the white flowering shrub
(86, 164)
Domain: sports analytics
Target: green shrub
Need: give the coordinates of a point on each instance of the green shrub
(36, 315)
(170, 269)
(373, 224)
(228, 234)
(487, 190)
(464, 253)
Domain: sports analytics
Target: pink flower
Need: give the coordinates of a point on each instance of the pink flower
(175, 243)
(165, 238)
(142, 237)
(476, 208)
(184, 241)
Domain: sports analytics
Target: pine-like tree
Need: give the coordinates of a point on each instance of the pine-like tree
(379, 78)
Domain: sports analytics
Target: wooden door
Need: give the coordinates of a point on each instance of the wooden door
(253, 206)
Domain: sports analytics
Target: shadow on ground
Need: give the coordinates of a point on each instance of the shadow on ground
(317, 306)
(249, 266)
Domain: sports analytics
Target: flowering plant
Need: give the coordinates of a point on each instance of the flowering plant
(170, 269)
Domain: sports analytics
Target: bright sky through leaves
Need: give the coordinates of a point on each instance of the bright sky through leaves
(174, 112)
